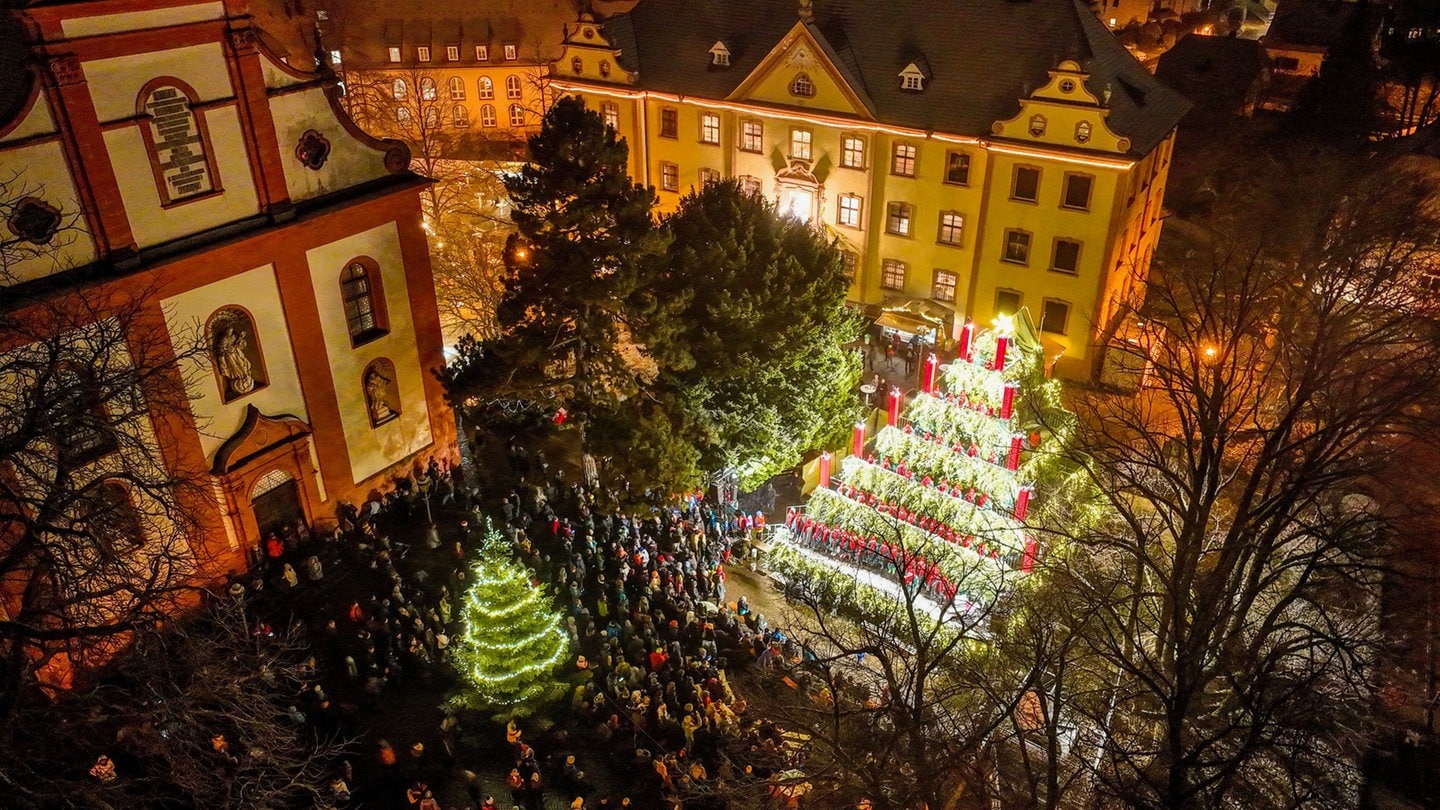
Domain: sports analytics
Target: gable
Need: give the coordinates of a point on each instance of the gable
(1064, 112)
(800, 58)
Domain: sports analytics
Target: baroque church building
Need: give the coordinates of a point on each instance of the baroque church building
(160, 153)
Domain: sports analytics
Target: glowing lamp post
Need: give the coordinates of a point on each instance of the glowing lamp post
(857, 442)
(894, 411)
(927, 383)
(825, 469)
(1007, 405)
(1013, 461)
(1022, 501)
(967, 341)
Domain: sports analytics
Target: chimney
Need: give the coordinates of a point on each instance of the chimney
(807, 12)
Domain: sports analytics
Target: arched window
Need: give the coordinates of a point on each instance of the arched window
(399, 90)
(112, 520)
(577, 66)
(457, 88)
(402, 115)
(432, 117)
(177, 141)
(487, 115)
(459, 116)
(801, 86)
(487, 87)
(382, 393)
(427, 89)
(79, 425)
(235, 353)
(512, 86)
(517, 115)
(364, 308)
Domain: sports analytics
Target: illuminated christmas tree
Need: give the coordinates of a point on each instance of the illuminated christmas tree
(512, 642)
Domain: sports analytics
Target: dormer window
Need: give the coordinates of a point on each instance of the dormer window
(801, 86)
(719, 55)
(912, 78)
(1037, 125)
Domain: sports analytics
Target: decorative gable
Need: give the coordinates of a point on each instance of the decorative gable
(1063, 112)
(719, 54)
(800, 72)
(586, 53)
(257, 434)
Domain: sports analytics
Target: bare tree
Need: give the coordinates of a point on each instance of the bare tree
(1230, 587)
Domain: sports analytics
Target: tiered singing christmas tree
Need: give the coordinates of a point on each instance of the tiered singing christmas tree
(512, 643)
(941, 497)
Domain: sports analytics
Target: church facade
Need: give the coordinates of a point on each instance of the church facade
(280, 251)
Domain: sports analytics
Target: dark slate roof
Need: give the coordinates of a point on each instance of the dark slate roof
(1313, 23)
(1216, 73)
(982, 56)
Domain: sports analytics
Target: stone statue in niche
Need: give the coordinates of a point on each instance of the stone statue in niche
(380, 397)
(236, 355)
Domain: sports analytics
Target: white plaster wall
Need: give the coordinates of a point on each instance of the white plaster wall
(115, 82)
(139, 20)
(372, 449)
(256, 291)
(39, 170)
(351, 162)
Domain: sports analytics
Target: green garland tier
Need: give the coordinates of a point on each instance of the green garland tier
(938, 459)
(957, 558)
(933, 414)
(957, 513)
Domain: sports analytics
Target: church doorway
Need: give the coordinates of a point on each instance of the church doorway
(275, 500)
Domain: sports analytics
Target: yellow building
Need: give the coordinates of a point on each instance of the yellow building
(972, 157)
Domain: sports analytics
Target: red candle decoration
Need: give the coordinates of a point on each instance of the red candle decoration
(1013, 462)
(1007, 406)
(894, 413)
(824, 469)
(927, 384)
(967, 341)
(1001, 344)
(857, 443)
(1022, 502)
(1027, 560)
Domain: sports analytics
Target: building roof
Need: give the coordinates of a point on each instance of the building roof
(982, 56)
(1213, 73)
(1309, 23)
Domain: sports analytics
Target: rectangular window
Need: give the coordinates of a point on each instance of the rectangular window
(1077, 191)
(902, 162)
(952, 227)
(334, 57)
(708, 176)
(1027, 184)
(511, 53)
(709, 128)
(1017, 247)
(957, 168)
(394, 54)
(850, 210)
(1067, 256)
(897, 218)
(1053, 316)
(752, 136)
(800, 144)
(892, 274)
(1007, 302)
(669, 122)
(610, 111)
(944, 287)
(852, 152)
(849, 262)
(750, 185)
(669, 176)
(482, 53)
(452, 53)
(422, 53)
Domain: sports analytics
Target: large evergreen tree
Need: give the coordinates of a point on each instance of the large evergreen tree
(573, 318)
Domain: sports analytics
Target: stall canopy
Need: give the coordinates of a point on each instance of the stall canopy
(916, 315)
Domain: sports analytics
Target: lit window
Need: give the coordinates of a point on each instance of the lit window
(708, 176)
(1067, 256)
(357, 292)
(422, 53)
(459, 116)
(402, 115)
(800, 144)
(1017, 247)
(719, 55)
(1007, 302)
(892, 274)
(1053, 317)
(944, 287)
(394, 54)
(452, 53)
(952, 227)
(849, 263)
(427, 89)
(709, 128)
(752, 136)
(78, 424)
(511, 53)
(517, 115)
(577, 65)
(1077, 191)
(512, 86)
(801, 86)
(750, 185)
(482, 53)
(486, 87)
(610, 111)
(669, 123)
(850, 210)
(457, 88)
(957, 168)
(669, 176)
(1027, 184)
(334, 57)
(399, 90)
(903, 160)
(432, 117)
(852, 152)
(897, 218)
(487, 115)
